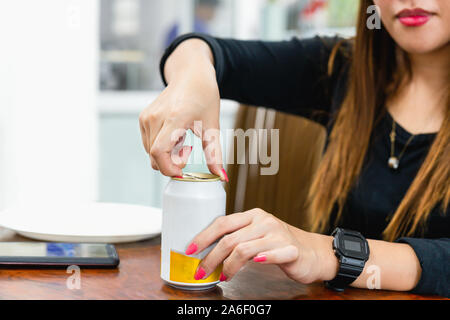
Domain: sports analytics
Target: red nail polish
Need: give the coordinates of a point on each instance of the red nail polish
(178, 177)
(260, 258)
(191, 249)
(191, 148)
(222, 277)
(225, 174)
(199, 274)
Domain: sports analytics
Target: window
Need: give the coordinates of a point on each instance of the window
(134, 34)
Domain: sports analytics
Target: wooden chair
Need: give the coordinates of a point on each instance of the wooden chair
(284, 194)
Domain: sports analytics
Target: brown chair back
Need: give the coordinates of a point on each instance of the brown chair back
(284, 194)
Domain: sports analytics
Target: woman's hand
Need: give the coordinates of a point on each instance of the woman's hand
(258, 235)
(192, 95)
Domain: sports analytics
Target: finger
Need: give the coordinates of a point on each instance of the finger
(152, 128)
(242, 253)
(144, 136)
(154, 164)
(235, 244)
(162, 147)
(220, 227)
(281, 255)
(180, 153)
(149, 128)
(145, 142)
(183, 156)
(213, 151)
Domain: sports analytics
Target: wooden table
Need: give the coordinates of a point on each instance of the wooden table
(138, 278)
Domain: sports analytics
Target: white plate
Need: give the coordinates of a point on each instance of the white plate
(96, 222)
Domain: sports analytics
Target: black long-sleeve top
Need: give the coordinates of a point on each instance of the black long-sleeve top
(292, 76)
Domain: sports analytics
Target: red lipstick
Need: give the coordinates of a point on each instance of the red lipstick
(414, 17)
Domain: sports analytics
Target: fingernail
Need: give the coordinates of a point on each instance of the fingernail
(260, 258)
(225, 176)
(191, 148)
(199, 274)
(191, 249)
(222, 277)
(178, 177)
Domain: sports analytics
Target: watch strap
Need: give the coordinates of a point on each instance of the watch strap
(347, 273)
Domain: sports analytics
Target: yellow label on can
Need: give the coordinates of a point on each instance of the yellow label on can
(182, 269)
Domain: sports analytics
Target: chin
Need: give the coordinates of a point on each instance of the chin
(419, 46)
(420, 40)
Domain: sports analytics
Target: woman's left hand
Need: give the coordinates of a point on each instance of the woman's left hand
(255, 234)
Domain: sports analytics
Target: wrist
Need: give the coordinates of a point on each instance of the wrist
(191, 57)
(194, 74)
(322, 245)
(328, 261)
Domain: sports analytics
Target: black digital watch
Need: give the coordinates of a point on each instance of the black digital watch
(352, 250)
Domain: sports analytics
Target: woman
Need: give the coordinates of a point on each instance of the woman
(384, 98)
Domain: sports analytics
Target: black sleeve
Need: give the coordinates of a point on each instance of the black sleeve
(434, 258)
(290, 76)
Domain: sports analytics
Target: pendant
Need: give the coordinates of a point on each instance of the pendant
(393, 163)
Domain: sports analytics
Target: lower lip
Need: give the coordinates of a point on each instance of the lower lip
(414, 21)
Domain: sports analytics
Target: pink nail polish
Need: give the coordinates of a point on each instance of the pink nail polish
(222, 277)
(225, 175)
(260, 258)
(199, 274)
(191, 249)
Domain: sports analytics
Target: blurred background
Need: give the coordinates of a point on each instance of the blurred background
(75, 74)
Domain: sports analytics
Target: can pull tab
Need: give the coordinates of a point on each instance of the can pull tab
(195, 176)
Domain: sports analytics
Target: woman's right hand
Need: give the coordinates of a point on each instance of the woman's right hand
(190, 101)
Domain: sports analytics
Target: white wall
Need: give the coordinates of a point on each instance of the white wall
(48, 81)
(247, 19)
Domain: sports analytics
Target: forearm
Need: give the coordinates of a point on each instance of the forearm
(396, 264)
(289, 76)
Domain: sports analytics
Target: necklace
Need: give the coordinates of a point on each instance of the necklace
(394, 161)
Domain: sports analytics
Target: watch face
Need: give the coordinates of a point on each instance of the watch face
(353, 247)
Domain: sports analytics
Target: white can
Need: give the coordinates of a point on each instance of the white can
(190, 204)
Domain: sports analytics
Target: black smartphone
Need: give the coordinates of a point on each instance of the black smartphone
(57, 255)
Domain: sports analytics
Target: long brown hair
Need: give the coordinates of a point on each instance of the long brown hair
(377, 70)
